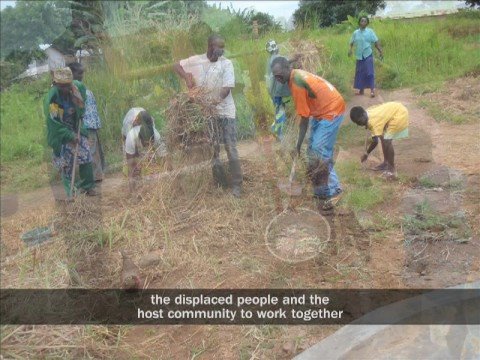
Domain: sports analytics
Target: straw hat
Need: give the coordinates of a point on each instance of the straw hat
(63, 76)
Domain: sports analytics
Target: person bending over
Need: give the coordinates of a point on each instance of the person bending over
(386, 122)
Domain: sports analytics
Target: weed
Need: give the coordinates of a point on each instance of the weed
(427, 183)
(438, 112)
(425, 220)
(363, 192)
(427, 88)
(381, 223)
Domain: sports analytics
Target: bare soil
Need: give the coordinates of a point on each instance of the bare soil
(218, 242)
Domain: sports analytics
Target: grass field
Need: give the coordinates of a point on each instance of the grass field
(438, 50)
(200, 236)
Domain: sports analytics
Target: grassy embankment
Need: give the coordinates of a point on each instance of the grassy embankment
(421, 53)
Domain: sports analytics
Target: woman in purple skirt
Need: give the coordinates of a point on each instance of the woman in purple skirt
(363, 38)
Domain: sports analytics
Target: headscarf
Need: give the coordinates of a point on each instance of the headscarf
(146, 126)
(63, 76)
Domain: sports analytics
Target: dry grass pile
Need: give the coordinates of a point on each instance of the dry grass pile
(60, 342)
(190, 120)
(312, 56)
(183, 233)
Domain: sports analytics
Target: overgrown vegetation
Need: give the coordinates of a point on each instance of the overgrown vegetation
(135, 70)
(428, 225)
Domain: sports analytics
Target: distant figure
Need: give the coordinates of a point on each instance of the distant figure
(63, 109)
(320, 105)
(214, 74)
(363, 38)
(92, 122)
(386, 121)
(140, 136)
(277, 91)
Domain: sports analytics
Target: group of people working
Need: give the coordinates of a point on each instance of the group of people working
(321, 108)
(73, 122)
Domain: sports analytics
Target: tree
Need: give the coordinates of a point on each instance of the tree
(473, 3)
(265, 22)
(330, 12)
(242, 22)
(31, 23)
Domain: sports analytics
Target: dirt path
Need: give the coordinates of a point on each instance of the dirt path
(434, 153)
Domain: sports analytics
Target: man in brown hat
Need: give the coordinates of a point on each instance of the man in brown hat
(64, 108)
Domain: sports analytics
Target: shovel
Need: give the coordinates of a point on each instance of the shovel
(289, 186)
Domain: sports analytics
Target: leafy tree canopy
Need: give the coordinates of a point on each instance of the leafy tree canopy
(330, 12)
(31, 23)
(473, 3)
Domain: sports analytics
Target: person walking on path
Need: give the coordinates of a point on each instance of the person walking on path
(63, 109)
(362, 39)
(92, 122)
(387, 121)
(321, 107)
(214, 75)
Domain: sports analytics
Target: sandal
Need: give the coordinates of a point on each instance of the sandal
(381, 167)
(388, 175)
(330, 203)
(372, 94)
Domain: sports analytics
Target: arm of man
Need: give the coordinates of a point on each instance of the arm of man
(302, 131)
(187, 76)
(228, 82)
(224, 92)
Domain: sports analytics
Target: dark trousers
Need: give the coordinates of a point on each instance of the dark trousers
(225, 132)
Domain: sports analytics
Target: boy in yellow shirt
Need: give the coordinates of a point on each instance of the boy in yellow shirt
(386, 121)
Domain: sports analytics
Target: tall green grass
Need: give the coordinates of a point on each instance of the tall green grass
(23, 137)
(417, 51)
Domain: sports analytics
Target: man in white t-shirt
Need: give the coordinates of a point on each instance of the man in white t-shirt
(139, 134)
(214, 74)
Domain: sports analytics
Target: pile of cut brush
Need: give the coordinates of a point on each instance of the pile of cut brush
(190, 120)
(310, 55)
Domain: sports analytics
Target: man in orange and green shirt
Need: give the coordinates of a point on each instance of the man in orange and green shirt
(322, 107)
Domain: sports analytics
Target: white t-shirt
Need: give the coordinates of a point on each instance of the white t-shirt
(133, 144)
(213, 76)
